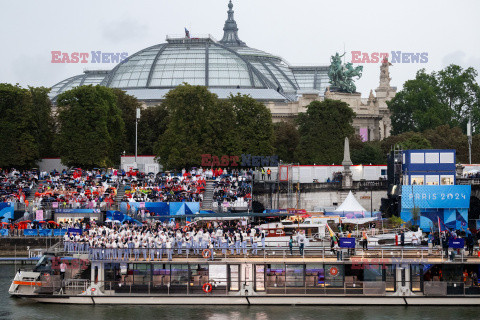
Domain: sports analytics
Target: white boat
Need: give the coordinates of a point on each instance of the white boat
(267, 279)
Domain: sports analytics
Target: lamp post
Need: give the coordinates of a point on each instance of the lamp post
(136, 135)
(469, 135)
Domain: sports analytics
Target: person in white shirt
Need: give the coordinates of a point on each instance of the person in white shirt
(136, 249)
(179, 239)
(159, 247)
(66, 243)
(237, 242)
(169, 249)
(255, 245)
(114, 250)
(244, 241)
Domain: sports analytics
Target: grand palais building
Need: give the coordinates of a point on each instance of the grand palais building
(229, 66)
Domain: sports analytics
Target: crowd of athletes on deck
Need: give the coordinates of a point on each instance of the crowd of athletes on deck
(155, 241)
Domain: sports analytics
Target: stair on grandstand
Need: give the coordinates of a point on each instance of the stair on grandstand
(36, 188)
(207, 203)
(120, 193)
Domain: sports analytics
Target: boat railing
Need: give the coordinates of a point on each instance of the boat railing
(171, 285)
(409, 254)
(75, 286)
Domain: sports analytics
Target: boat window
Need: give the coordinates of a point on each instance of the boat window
(275, 276)
(234, 275)
(279, 231)
(179, 274)
(314, 275)
(334, 274)
(139, 273)
(373, 272)
(198, 274)
(161, 275)
(416, 274)
(260, 277)
(217, 275)
(44, 264)
(354, 275)
(390, 277)
(295, 275)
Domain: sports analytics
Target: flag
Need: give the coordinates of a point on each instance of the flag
(439, 226)
(187, 33)
(332, 234)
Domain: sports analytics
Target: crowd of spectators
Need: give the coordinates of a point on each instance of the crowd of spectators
(77, 188)
(98, 188)
(15, 186)
(167, 187)
(233, 190)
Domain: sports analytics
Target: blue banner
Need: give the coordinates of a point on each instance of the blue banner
(456, 243)
(6, 211)
(451, 197)
(30, 232)
(77, 210)
(45, 232)
(162, 208)
(347, 243)
(4, 232)
(74, 231)
(59, 232)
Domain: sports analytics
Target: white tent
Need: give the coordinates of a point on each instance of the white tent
(350, 205)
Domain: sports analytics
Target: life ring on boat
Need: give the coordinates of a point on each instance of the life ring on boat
(93, 289)
(333, 271)
(207, 288)
(206, 253)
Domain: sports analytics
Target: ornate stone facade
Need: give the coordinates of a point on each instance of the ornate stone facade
(373, 117)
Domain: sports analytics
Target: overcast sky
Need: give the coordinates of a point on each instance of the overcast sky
(303, 32)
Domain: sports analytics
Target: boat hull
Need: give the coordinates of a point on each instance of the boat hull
(257, 300)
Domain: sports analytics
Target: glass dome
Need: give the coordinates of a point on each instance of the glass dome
(202, 62)
(88, 77)
(227, 65)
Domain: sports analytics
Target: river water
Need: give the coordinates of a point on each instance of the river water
(12, 308)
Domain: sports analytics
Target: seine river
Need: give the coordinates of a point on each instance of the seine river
(11, 308)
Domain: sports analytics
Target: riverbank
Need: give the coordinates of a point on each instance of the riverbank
(20, 246)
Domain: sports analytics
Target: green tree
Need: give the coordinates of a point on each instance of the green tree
(254, 125)
(128, 105)
(152, 124)
(447, 97)
(91, 128)
(44, 121)
(198, 123)
(407, 140)
(322, 130)
(417, 107)
(368, 152)
(445, 137)
(19, 126)
(459, 91)
(286, 141)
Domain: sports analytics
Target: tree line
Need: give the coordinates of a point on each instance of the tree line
(92, 126)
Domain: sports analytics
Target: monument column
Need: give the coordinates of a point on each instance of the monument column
(347, 180)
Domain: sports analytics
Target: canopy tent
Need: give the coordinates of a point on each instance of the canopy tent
(358, 221)
(350, 205)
